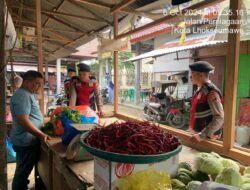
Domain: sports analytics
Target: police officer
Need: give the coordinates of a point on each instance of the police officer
(67, 83)
(86, 91)
(207, 115)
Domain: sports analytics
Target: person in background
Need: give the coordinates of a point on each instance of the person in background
(27, 122)
(86, 91)
(18, 81)
(111, 92)
(69, 81)
(207, 115)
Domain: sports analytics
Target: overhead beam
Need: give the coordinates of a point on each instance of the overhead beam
(89, 11)
(171, 18)
(58, 35)
(231, 76)
(33, 24)
(121, 5)
(87, 33)
(65, 23)
(28, 8)
(96, 3)
(109, 6)
(55, 9)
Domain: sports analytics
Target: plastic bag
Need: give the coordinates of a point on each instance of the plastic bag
(88, 116)
(69, 131)
(88, 119)
(144, 180)
(11, 154)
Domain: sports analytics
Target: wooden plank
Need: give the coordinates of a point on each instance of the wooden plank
(170, 18)
(40, 49)
(240, 155)
(116, 66)
(3, 130)
(44, 166)
(121, 5)
(231, 78)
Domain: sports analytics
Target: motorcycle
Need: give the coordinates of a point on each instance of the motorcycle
(58, 101)
(163, 108)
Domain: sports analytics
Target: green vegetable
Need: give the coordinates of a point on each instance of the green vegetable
(193, 184)
(185, 165)
(226, 163)
(177, 184)
(49, 128)
(200, 176)
(208, 163)
(229, 176)
(73, 115)
(184, 178)
(247, 170)
(245, 186)
(183, 170)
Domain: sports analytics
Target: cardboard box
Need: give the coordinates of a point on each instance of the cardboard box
(107, 172)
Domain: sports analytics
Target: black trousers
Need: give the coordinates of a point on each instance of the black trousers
(26, 158)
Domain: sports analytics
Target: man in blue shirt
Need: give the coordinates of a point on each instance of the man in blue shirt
(27, 122)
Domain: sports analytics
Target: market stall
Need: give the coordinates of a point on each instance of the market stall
(129, 151)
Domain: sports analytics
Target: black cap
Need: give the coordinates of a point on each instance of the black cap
(201, 66)
(71, 69)
(83, 67)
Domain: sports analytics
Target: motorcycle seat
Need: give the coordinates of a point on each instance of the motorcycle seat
(154, 105)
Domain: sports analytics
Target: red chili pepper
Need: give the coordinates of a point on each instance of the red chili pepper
(141, 138)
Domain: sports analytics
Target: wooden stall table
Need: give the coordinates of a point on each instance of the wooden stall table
(57, 172)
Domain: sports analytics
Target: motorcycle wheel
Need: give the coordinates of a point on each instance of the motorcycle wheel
(176, 120)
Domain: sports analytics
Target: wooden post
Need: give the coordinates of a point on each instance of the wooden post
(116, 62)
(137, 76)
(58, 76)
(40, 49)
(3, 154)
(231, 78)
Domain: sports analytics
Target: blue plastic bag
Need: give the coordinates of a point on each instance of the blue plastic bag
(11, 154)
(88, 119)
(69, 131)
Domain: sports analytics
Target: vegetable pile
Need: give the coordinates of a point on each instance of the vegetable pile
(141, 138)
(54, 127)
(210, 167)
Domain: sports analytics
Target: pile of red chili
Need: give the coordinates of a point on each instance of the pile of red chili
(141, 138)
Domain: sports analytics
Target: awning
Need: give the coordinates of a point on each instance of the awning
(196, 41)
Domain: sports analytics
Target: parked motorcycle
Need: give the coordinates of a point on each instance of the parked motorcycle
(162, 108)
(58, 101)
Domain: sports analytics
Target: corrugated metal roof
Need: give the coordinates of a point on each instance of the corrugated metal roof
(63, 34)
(195, 41)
